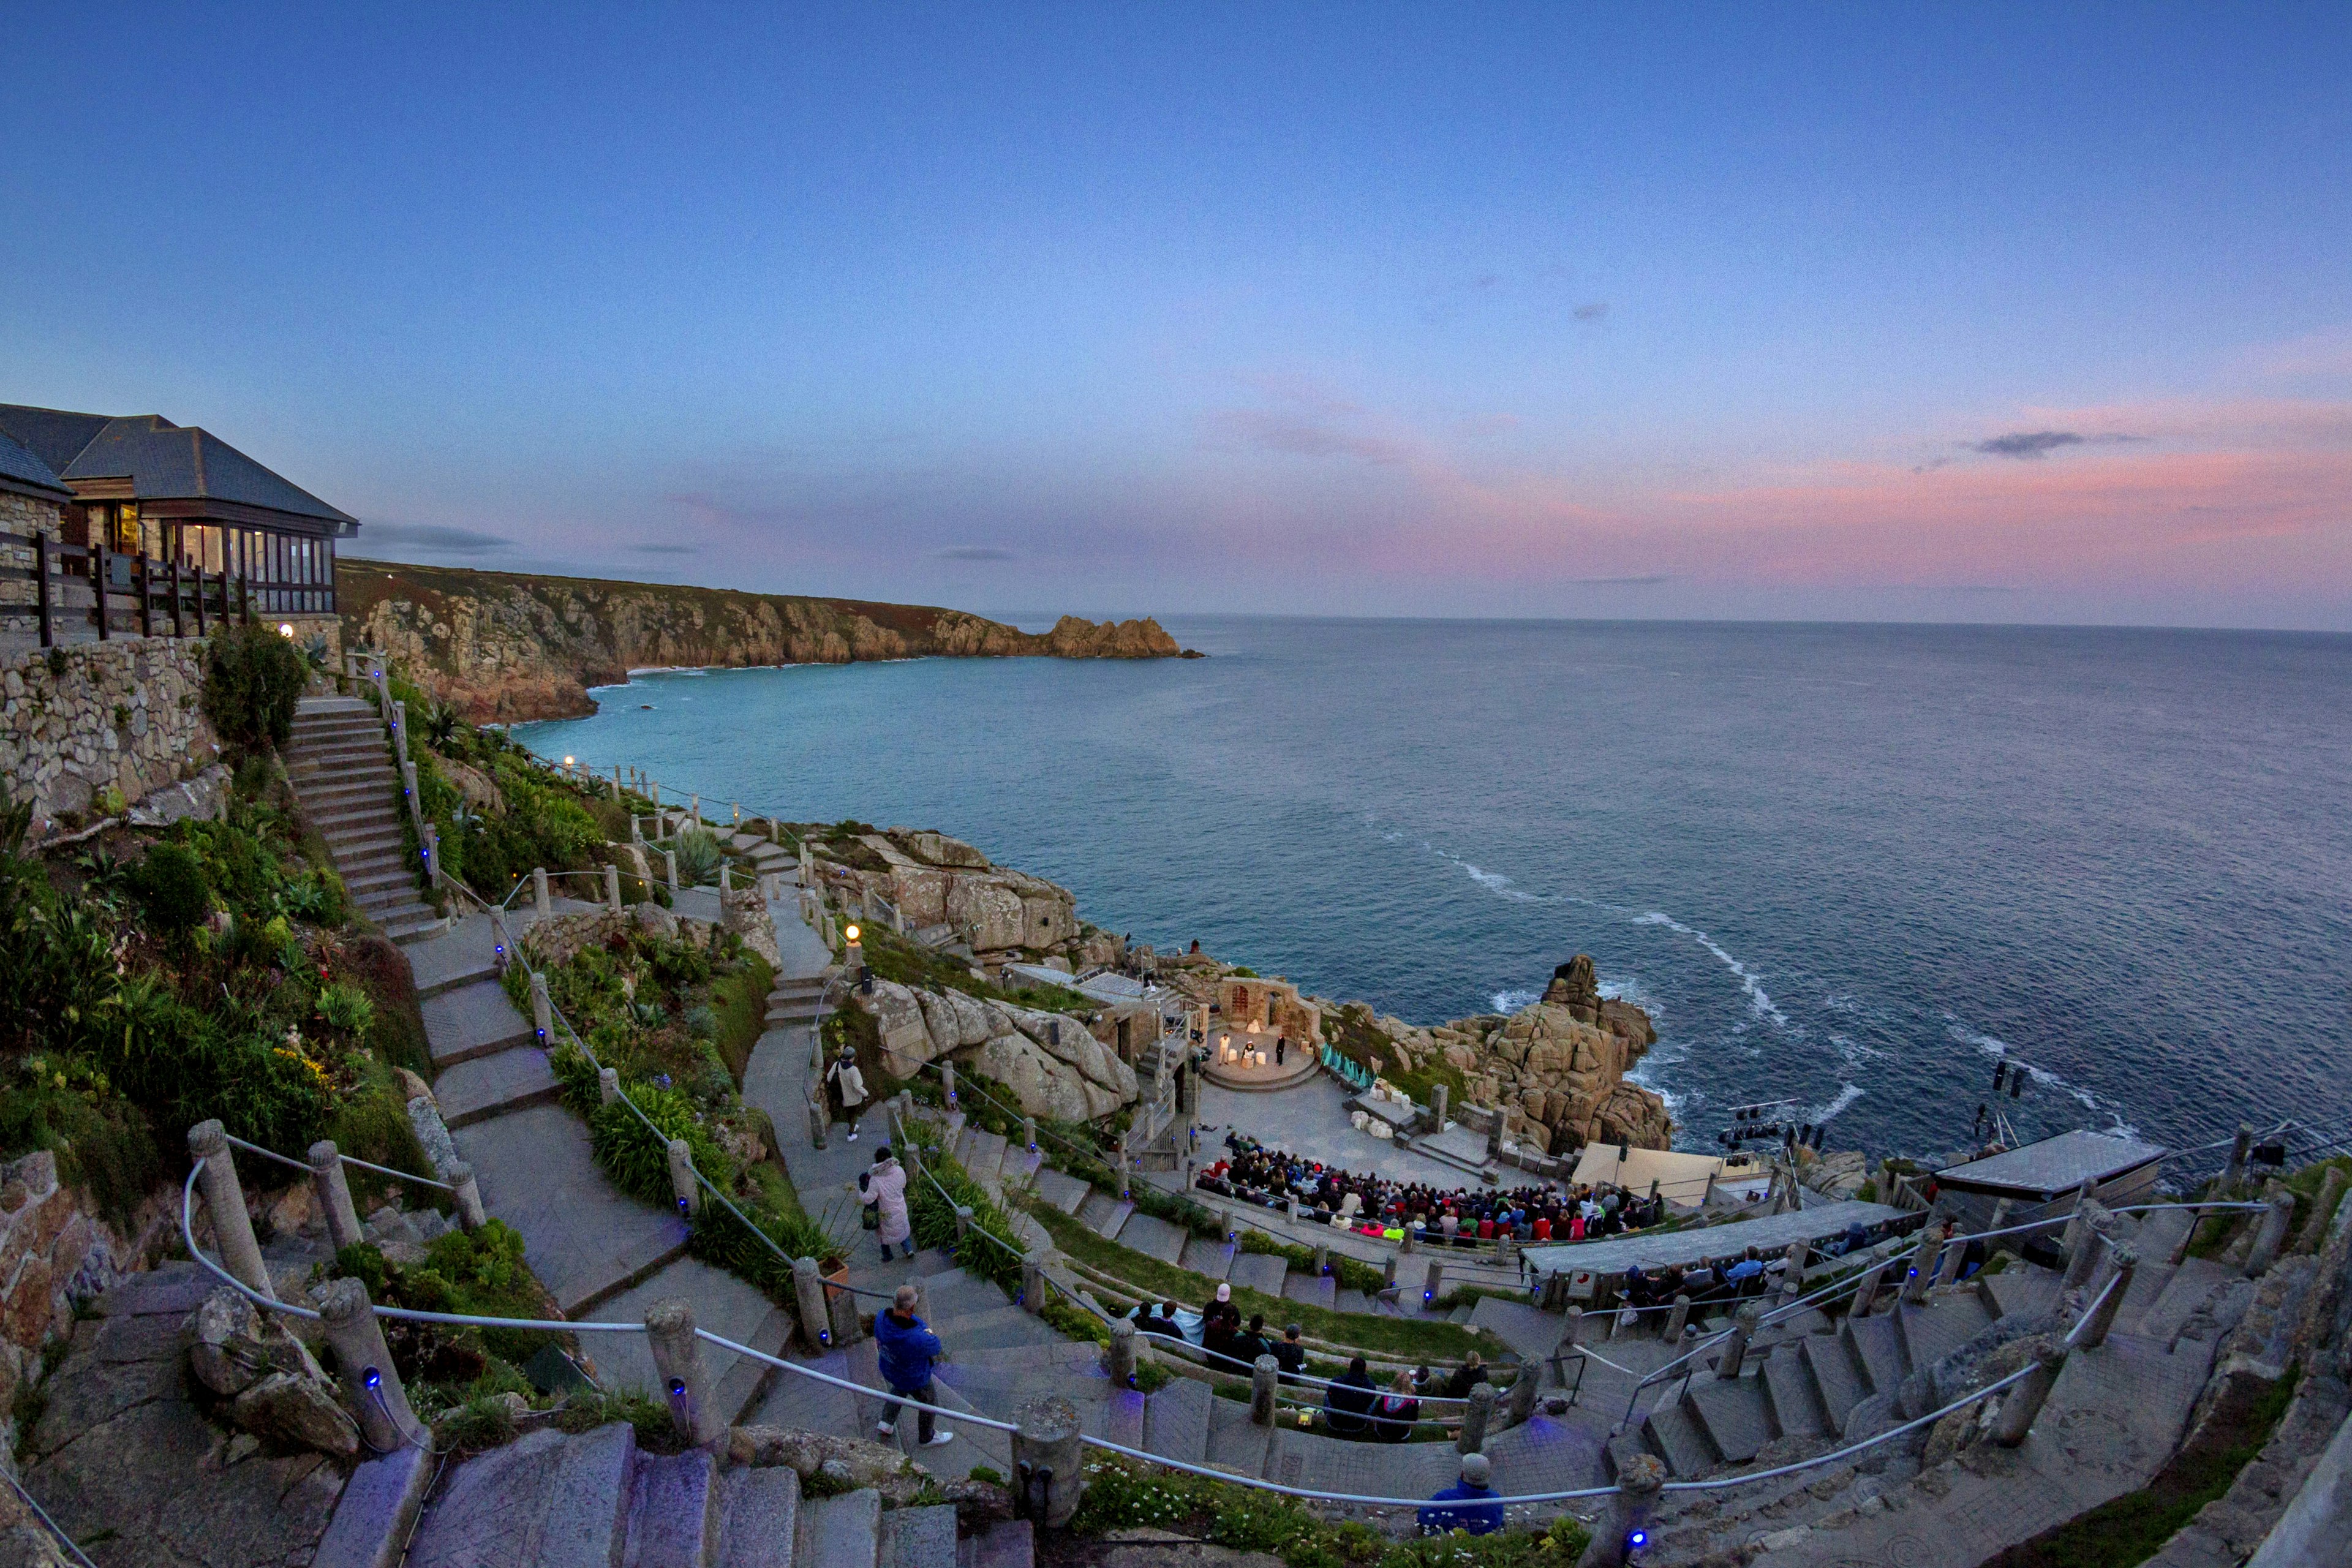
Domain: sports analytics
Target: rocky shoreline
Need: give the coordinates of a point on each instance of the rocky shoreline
(505, 648)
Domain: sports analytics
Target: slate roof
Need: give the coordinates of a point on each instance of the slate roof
(164, 461)
(21, 468)
(2053, 1165)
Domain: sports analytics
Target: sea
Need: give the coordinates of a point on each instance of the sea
(1857, 868)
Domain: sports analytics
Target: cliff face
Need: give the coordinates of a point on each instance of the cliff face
(505, 648)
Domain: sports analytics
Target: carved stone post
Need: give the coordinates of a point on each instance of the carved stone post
(1033, 1282)
(608, 1085)
(1432, 1284)
(2103, 1315)
(334, 1195)
(1119, 1356)
(808, 1291)
(613, 887)
(1522, 1391)
(1865, 1291)
(542, 1014)
(371, 1383)
(685, 1385)
(501, 945)
(225, 1201)
(682, 1184)
(2023, 1402)
(842, 1304)
(1922, 1271)
(1955, 1253)
(2086, 1204)
(468, 1194)
(2085, 1255)
(669, 869)
(1265, 1373)
(1678, 1319)
(539, 890)
(1048, 1471)
(1477, 1415)
(1793, 1277)
(1735, 1349)
(1626, 1529)
(2272, 1234)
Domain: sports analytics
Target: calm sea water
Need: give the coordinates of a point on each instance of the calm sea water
(1853, 865)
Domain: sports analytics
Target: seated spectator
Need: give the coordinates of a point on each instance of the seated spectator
(1748, 1274)
(1468, 1503)
(1398, 1411)
(1164, 1324)
(1468, 1376)
(1290, 1354)
(1347, 1403)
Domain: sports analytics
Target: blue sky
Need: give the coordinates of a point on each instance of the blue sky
(1974, 313)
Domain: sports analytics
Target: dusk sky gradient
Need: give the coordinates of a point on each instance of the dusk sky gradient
(1986, 313)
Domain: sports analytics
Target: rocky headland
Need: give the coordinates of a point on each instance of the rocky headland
(1556, 1070)
(503, 647)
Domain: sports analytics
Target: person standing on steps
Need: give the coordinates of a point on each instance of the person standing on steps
(883, 1185)
(848, 1087)
(907, 1348)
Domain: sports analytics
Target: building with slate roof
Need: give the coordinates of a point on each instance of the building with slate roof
(174, 493)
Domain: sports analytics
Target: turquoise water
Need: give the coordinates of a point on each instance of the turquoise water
(1853, 865)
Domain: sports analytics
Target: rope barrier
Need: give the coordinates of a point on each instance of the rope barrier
(347, 1159)
(43, 1515)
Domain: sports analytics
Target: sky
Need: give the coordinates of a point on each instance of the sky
(1972, 313)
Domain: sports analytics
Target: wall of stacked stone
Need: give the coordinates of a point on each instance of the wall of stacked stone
(26, 515)
(80, 720)
(55, 1251)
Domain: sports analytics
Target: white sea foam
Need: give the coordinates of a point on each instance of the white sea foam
(1846, 1095)
(1493, 882)
(1759, 1001)
(1512, 1001)
(1998, 1050)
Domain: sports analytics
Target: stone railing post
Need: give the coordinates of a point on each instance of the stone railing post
(1120, 1354)
(335, 1192)
(843, 1305)
(2085, 1255)
(808, 1290)
(2103, 1316)
(1048, 1473)
(1677, 1319)
(501, 946)
(1793, 1277)
(669, 869)
(1477, 1417)
(1625, 1529)
(1866, 1291)
(2023, 1402)
(1389, 1272)
(371, 1383)
(682, 1184)
(542, 1014)
(608, 1085)
(468, 1194)
(1322, 1258)
(613, 887)
(539, 890)
(1029, 1134)
(1524, 1389)
(2085, 1202)
(1432, 1284)
(820, 1123)
(685, 1385)
(1265, 1375)
(225, 1201)
(1032, 1283)
(2272, 1234)
(1956, 1254)
(947, 1082)
(2315, 1227)
(1735, 1349)
(1571, 1329)
(2241, 1147)
(432, 855)
(964, 1229)
(1921, 1270)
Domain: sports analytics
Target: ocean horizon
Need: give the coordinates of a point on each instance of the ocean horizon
(1853, 864)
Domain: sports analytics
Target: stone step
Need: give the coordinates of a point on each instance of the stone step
(759, 1512)
(376, 1512)
(2191, 1284)
(1877, 1347)
(983, 1153)
(414, 925)
(919, 1537)
(1154, 1238)
(478, 1019)
(351, 846)
(1176, 1421)
(1261, 1271)
(1008, 1543)
(1347, 1301)
(1062, 1189)
(843, 1532)
(1105, 1215)
(1618, 1449)
(1236, 1445)
(672, 1511)
(2020, 1289)
(1837, 1378)
(2148, 1286)
(1311, 1290)
(809, 1405)
(1734, 1413)
(1942, 1325)
(1204, 1256)
(1676, 1437)
(484, 1087)
(1116, 1418)
(1791, 1396)
(544, 1500)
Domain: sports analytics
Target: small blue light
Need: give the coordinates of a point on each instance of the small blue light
(374, 1378)
(677, 1388)
(681, 1205)
(1428, 1295)
(1640, 1538)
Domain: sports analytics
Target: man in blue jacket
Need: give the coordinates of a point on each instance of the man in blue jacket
(1469, 1504)
(907, 1348)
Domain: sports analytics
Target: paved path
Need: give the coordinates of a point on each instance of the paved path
(1770, 1233)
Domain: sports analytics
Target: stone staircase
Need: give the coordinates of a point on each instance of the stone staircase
(339, 760)
(597, 1500)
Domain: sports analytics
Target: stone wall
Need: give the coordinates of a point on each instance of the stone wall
(80, 720)
(54, 1251)
(25, 514)
(1274, 1006)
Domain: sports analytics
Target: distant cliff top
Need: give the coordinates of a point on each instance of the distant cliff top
(504, 647)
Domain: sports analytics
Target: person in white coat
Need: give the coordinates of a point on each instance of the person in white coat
(884, 1185)
(848, 1087)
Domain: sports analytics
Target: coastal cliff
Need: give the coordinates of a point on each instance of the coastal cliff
(503, 647)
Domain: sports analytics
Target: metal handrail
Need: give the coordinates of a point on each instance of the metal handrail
(42, 1514)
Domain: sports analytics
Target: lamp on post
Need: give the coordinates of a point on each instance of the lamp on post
(853, 958)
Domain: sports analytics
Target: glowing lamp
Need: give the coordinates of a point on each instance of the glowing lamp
(676, 1387)
(1638, 1540)
(285, 628)
(567, 762)
(373, 1378)
(849, 932)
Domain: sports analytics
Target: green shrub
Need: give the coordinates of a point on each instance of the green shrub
(253, 678)
(171, 886)
(348, 1010)
(698, 856)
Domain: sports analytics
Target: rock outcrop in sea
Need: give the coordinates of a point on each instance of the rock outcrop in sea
(504, 647)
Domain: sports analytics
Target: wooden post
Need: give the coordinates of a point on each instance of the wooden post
(146, 606)
(97, 580)
(41, 573)
(176, 629)
(200, 598)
